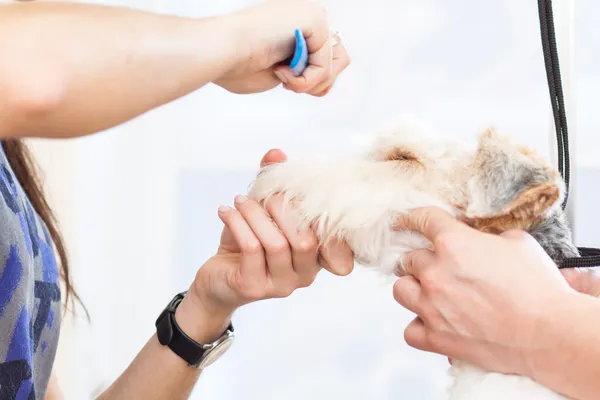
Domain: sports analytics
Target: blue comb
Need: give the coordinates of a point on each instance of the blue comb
(300, 59)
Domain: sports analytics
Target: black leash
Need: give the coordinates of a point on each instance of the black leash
(589, 257)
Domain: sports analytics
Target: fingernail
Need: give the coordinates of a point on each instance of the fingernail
(224, 209)
(240, 199)
(325, 91)
(281, 76)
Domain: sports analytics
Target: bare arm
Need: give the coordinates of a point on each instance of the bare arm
(157, 372)
(568, 357)
(74, 69)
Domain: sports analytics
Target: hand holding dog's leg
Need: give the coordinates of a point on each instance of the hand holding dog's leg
(336, 257)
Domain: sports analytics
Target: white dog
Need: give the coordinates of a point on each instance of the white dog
(497, 186)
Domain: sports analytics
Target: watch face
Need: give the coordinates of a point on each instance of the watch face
(215, 353)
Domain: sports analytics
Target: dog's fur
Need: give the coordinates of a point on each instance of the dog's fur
(495, 187)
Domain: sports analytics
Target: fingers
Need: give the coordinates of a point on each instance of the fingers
(415, 262)
(319, 69)
(340, 62)
(585, 281)
(408, 292)
(416, 335)
(514, 234)
(273, 156)
(253, 260)
(276, 247)
(303, 242)
(326, 63)
(337, 258)
(419, 335)
(431, 222)
(290, 254)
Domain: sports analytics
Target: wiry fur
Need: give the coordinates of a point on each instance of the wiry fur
(495, 187)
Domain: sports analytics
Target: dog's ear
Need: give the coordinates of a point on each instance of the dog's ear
(509, 186)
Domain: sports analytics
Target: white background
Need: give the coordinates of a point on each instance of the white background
(138, 204)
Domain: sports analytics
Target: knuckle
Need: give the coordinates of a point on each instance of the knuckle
(306, 244)
(445, 241)
(411, 338)
(251, 247)
(273, 203)
(278, 247)
(429, 281)
(307, 280)
(516, 234)
(416, 338)
(285, 290)
(298, 87)
(326, 74)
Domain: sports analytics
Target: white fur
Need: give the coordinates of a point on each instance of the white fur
(357, 198)
(471, 383)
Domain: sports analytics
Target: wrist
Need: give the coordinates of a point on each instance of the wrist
(219, 41)
(200, 322)
(559, 337)
(232, 37)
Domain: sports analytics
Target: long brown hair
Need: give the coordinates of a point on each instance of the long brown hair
(27, 172)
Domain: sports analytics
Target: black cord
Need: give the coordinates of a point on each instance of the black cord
(589, 257)
(556, 91)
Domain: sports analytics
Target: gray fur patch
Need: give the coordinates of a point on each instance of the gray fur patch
(554, 235)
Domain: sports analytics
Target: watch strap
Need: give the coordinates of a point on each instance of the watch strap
(170, 334)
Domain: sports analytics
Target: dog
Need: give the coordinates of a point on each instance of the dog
(494, 186)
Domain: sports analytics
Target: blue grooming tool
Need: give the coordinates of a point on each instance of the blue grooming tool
(300, 59)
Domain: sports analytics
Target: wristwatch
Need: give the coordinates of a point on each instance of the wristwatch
(197, 355)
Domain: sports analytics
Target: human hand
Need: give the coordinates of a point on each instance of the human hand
(480, 298)
(585, 281)
(262, 255)
(266, 39)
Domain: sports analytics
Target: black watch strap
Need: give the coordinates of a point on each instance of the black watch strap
(170, 334)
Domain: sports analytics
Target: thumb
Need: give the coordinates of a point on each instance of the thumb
(429, 221)
(228, 244)
(273, 156)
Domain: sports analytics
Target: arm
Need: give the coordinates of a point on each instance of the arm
(157, 372)
(570, 363)
(69, 70)
(248, 267)
(74, 69)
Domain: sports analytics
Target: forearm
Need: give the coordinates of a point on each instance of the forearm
(74, 69)
(569, 360)
(157, 372)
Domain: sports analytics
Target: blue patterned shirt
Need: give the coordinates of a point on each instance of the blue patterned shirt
(30, 306)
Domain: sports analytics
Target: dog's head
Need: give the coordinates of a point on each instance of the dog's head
(497, 186)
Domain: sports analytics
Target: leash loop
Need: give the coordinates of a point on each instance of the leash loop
(589, 257)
